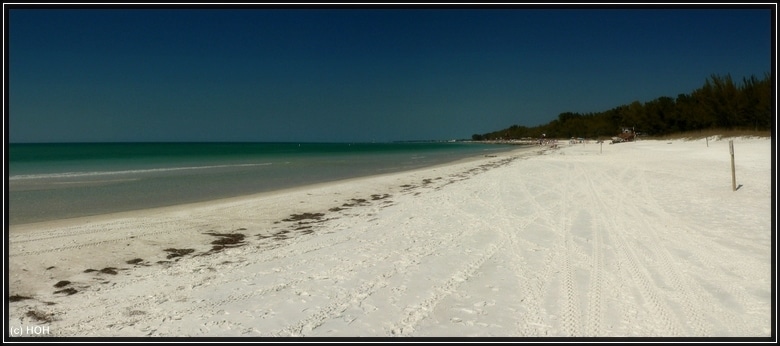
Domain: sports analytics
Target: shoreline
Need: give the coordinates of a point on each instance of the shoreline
(172, 198)
(631, 241)
(276, 206)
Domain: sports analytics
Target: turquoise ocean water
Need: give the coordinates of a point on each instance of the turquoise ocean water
(56, 181)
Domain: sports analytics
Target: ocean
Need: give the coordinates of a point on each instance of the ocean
(65, 180)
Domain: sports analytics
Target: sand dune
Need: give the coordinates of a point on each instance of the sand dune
(642, 239)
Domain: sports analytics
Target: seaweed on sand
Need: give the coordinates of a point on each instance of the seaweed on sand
(178, 252)
(226, 240)
(305, 216)
(39, 316)
(16, 298)
(62, 283)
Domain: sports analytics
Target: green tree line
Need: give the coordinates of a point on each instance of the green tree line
(719, 104)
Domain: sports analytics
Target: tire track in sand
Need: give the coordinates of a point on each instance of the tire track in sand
(587, 262)
(531, 323)
(557, 264)
(689, 293)
(593, 325)
(617, 196)
(658, 257)
(570, 314)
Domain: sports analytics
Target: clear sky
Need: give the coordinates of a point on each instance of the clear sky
(338, 74)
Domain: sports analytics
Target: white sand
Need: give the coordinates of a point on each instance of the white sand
(645, 239)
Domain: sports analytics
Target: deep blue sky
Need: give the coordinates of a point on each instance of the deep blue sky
(346, 74)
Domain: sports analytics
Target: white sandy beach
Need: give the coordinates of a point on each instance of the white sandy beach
(642, 239)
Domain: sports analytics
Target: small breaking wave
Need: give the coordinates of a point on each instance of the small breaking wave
(131, 171)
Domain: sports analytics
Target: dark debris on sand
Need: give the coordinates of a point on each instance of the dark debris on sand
(172, 253)
(109, 270)
(304, 216)
(16, 298)
(68, 291)
(355, 202)
(135, 261)
(62, 283)
(226, 240)
(39, 316)
(377, 197)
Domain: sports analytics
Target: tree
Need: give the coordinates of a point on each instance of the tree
(718, 103)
